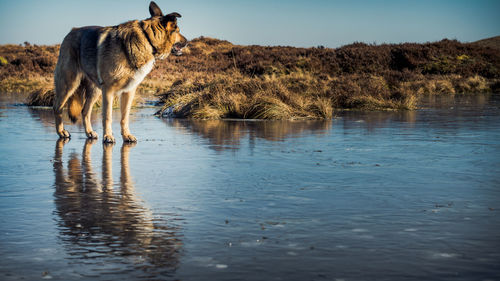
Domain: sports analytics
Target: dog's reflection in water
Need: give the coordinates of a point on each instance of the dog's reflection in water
(103, 223)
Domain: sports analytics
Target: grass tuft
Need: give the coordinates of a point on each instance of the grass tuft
(41, 97)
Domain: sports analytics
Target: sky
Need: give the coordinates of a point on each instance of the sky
(264, 22)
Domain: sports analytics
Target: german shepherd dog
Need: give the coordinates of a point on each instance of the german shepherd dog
(113, 60)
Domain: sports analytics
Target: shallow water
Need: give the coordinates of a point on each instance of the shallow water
(366, 196)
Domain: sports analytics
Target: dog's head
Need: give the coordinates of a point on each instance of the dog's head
(164, 33)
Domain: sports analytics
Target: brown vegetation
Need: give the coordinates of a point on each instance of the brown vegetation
(493, 42)
(216, 79)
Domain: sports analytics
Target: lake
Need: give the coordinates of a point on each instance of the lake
(412, 195)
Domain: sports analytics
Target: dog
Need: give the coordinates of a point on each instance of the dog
(113, 61)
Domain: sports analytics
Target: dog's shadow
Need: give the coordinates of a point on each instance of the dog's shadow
(103, 222)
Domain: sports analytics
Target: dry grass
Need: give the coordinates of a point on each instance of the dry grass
(471, 84)
(41, 97)
(294, 96)
(13, 84)
(216, 79)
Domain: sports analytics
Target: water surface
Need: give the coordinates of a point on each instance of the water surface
(366, 196)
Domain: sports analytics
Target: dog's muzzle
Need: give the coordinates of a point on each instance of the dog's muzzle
(178, 47)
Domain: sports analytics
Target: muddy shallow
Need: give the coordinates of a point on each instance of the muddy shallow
(381, 195)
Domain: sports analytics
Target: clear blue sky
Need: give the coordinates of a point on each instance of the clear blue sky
(265, 22)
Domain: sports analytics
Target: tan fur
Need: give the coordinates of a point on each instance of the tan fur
(75, 103)
(75, 106)
(113, 60)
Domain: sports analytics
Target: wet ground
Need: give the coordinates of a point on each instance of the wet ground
(366, 196)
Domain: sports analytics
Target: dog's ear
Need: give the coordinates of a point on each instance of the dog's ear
(174, 15)
(154, 10)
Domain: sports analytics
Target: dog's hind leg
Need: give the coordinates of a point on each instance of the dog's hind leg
(107, 115)
(126, 104)
(92, 93)
(66, 79)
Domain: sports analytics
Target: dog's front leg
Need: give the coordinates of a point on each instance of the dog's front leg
(126, 103)
(107, 116)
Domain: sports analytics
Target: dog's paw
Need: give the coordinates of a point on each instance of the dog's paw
(129, 138)
(91, 135)
(108, 139)
(64, 134)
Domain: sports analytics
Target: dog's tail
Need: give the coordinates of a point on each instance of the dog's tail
(75, 103)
